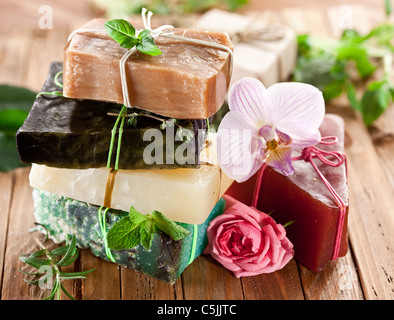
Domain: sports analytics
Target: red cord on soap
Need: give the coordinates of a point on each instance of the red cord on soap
(308, 154)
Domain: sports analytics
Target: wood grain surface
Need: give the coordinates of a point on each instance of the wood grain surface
(365, 273)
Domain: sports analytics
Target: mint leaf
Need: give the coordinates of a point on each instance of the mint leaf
(121, 31)
(125, 234)
(175, 231)
(374, 103)
(352, 97)
(147, 45)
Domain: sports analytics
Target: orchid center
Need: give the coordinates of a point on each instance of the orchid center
(272, 144)
(267, 132)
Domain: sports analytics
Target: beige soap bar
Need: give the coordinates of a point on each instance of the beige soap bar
(183, 195)
(187, 81)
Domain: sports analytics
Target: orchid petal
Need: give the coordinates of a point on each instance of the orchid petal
(284, 139)
(280, 159)
(238, 147)
(247, 97)
(295, 108)
(304, 142)
(267, 133)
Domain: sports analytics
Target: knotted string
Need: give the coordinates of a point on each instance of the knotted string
(308, 154)
(103, 226)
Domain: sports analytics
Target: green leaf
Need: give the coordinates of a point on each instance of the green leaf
(35, 262)
(387, 7)
(66, 292)
(352, 97)
(75, 274)
(125, 234)
(175, 231)
(37, 254)
(11, 120)
(122, 32)
(16, 98)
(60, 251)
(15, 104)
(147, 45)
(374, 103)
(360, 56)
(71, 253)
(333, 90)
(235, 4)
(54, 290)
(147, 232)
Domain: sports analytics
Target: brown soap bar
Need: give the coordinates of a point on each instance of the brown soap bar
(187, 81)
(306, 200)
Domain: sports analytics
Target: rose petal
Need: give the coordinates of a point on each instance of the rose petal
(280, 159)
(246, 96)
(295, 108)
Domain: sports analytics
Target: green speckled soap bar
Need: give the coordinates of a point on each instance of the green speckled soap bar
(70, 133)
(166, 259)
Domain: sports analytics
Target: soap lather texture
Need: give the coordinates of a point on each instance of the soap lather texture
(187, 81)
(166, 259)
(72, 133)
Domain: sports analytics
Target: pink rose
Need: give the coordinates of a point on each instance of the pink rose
(246, 241)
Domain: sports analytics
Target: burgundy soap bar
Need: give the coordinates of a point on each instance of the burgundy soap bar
(306, 200)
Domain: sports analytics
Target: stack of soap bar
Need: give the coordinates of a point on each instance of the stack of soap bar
(165, 260)
(187, 81)
(306, 200)
(71, 133)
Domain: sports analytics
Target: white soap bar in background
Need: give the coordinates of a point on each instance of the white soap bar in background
(270, 61)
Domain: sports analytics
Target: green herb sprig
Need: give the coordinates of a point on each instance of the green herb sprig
(342, 66)
(137, 228)
(124, 33)
(49, 267)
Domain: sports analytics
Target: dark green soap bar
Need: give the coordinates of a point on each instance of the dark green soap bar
(166, 258)
(71, 133)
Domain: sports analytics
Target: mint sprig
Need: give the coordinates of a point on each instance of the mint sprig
(137, 228)
(124, 33)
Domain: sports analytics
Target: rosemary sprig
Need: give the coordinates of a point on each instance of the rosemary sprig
(49, 267)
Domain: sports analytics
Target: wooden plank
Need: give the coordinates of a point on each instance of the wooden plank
(283, 284)
(101, 284)
(371, 222)
(338, 281)
(19, 240)
(138, 286)
(47, 46)
(6, 187)
(206, 279)
(14, 50)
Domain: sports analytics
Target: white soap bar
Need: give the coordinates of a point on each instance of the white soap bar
(183, 195)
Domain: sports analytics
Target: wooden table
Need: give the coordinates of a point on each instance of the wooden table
(365, 273)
